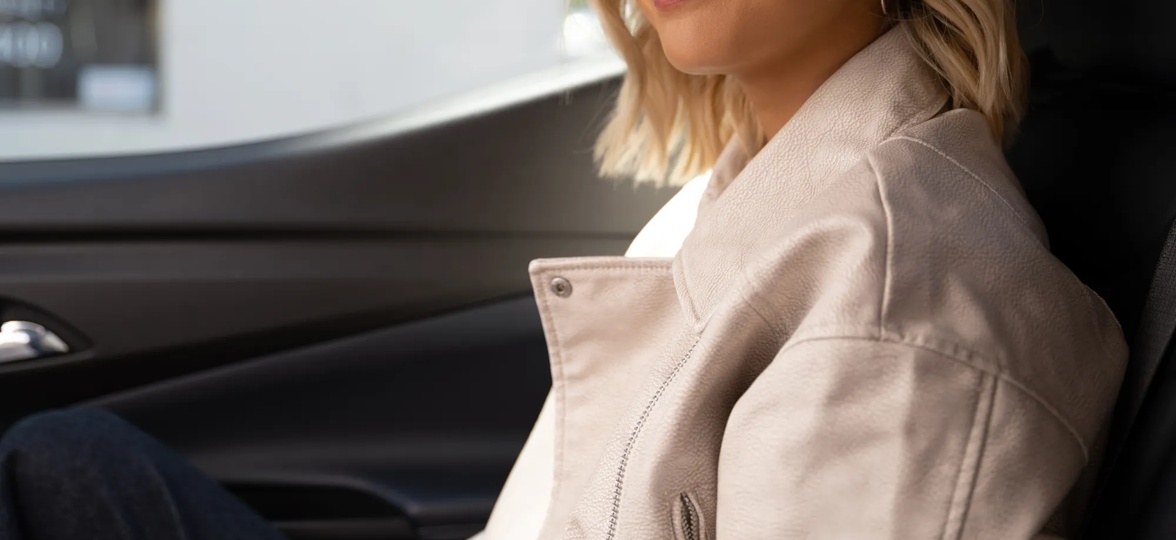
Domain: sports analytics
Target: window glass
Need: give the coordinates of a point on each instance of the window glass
(108, 77)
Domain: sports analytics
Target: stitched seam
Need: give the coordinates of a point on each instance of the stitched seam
(620, 481)
(691, 308)
(960, 470)
(1002, 376)
(675, 519)
(974, 176)
(1098, 336)
(781, 335)
(561, 404)
(647, 267)
(887, 260)
(980, 456)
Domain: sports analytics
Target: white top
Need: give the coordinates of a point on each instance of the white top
(665, 232)
(524, 499)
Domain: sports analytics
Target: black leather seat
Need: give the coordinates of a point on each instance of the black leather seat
(1097, 152)
(1097, 156)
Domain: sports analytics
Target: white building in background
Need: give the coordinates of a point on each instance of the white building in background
(236, 71)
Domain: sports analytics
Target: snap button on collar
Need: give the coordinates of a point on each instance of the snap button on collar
(561, 287)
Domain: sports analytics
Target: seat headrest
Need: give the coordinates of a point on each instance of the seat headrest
(1126, 40)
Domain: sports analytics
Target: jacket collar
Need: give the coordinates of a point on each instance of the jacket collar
(883, 89)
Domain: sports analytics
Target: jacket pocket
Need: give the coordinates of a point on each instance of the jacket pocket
(688, 522)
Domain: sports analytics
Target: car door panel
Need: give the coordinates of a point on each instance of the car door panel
(159, 309)
(336, 326)
(423, 420)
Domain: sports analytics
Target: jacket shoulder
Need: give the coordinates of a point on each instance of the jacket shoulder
(1001, 291)
(953, 157)
(930, 240)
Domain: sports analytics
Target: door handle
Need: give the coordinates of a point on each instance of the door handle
(23, 340)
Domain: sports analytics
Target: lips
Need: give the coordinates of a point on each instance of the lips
(662, 4)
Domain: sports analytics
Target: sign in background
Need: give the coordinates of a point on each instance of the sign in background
(233, 72)
(90, 55)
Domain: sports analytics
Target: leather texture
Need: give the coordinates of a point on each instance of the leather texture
(527, 494)
(864, 336)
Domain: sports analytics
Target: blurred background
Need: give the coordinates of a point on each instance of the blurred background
(85, 78)
(290, 238)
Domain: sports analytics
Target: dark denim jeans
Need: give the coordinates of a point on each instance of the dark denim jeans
(85, 474)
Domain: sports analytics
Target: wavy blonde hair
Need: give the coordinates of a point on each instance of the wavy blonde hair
(671, 126)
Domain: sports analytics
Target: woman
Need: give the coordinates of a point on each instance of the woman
(863, 335)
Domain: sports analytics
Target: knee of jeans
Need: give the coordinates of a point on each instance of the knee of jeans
(67, 435)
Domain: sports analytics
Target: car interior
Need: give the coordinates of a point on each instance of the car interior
(338, 326)
(1094, 155)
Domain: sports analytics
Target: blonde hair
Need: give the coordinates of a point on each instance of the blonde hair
(671, 126)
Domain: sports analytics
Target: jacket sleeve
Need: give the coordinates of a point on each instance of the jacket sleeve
(860, 438)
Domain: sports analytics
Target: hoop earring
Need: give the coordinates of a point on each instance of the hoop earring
(884, 8)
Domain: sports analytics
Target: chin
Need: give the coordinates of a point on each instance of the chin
(694, 60)
(697, 37)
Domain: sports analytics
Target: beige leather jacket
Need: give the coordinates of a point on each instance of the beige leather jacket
(864, 336)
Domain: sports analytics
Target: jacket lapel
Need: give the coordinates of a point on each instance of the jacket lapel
(879, 91)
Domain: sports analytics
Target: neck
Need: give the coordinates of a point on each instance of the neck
(779, 87)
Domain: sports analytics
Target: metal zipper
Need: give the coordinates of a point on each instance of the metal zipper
(614, 517)
(690, 525)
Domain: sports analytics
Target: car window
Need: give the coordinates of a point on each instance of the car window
(110, 77)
